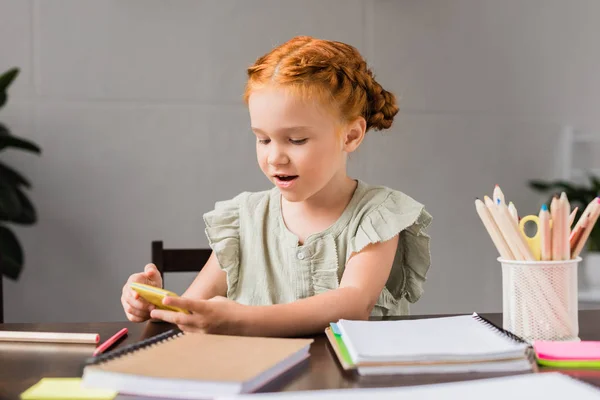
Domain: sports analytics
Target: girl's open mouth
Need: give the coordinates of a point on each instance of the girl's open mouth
(285, 181)
(286, 178)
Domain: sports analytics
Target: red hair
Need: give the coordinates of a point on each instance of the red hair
(331, 72)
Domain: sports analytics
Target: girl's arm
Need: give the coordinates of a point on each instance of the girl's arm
(210, 282)
(364, 277)
(362, 282)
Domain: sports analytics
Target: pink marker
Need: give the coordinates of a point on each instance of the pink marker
(109, 342)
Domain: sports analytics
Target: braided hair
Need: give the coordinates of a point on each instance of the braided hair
(330, 71)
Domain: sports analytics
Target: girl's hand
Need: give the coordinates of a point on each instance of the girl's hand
(136, 308)
(217, 315)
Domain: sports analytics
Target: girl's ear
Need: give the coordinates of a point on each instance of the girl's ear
(354, 134)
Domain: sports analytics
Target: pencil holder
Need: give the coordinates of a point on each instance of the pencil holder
(539, 299)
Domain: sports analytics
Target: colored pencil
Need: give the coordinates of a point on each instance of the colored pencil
(545, 233)
(493, 230)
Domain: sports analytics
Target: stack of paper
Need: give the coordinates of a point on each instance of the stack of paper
(433, 345)
(526, 387)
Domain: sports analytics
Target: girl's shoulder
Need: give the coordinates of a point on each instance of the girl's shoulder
(374, 198)
(379, 213)
(245, 209)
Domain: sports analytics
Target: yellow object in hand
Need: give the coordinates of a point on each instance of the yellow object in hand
(155, 296)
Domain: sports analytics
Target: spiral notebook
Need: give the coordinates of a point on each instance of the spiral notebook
(466, 343)
(193, 365)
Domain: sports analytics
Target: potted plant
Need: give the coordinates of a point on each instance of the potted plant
(580, 195)
(15, 206)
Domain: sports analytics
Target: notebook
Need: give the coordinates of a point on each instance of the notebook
(527, 387)
(65, 389)
(466, 343)
(192, 365)
(585, 354)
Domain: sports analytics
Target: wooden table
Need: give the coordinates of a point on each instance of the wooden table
(22, 365)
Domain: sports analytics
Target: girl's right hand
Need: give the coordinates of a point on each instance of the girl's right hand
(136, 308)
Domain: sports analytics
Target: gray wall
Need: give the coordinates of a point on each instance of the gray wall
(137, 106)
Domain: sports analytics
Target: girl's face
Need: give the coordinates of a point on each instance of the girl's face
(297, 144)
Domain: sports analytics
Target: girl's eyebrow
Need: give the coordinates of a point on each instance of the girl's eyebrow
(290, 129)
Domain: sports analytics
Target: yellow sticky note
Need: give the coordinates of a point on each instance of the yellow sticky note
(65, 388)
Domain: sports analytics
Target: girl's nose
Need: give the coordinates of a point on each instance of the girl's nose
(277, 156)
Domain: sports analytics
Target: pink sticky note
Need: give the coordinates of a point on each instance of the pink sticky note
(584, 350)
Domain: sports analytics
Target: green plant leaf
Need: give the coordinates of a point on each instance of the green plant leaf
(14, 141)
(15, 206)
(11, 253)
(546, 186)
(7, 78)
(5, 81)
(595, 182)
(593, 242)
(565, 186)
(12, 177)
(573, 192)
(540, 186)
(10, 268)
(10, 202)
(28, 215)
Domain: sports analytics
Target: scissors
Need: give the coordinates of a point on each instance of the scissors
(534, 242)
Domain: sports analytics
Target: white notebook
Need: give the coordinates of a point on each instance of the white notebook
(460, 338)
(546, 386)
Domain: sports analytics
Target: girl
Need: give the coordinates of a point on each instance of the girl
(320, 246)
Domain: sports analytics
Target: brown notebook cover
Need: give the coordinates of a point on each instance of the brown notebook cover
(189, 364)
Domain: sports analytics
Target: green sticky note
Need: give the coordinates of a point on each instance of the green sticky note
(592, 364)
(65, 388)
(342, 348)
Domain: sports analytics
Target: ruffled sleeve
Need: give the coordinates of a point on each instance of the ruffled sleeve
(223, 232)
(398, 214)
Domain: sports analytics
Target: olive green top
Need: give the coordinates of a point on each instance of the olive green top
(266, 265)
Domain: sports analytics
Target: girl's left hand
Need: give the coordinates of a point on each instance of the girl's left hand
(217, 315)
